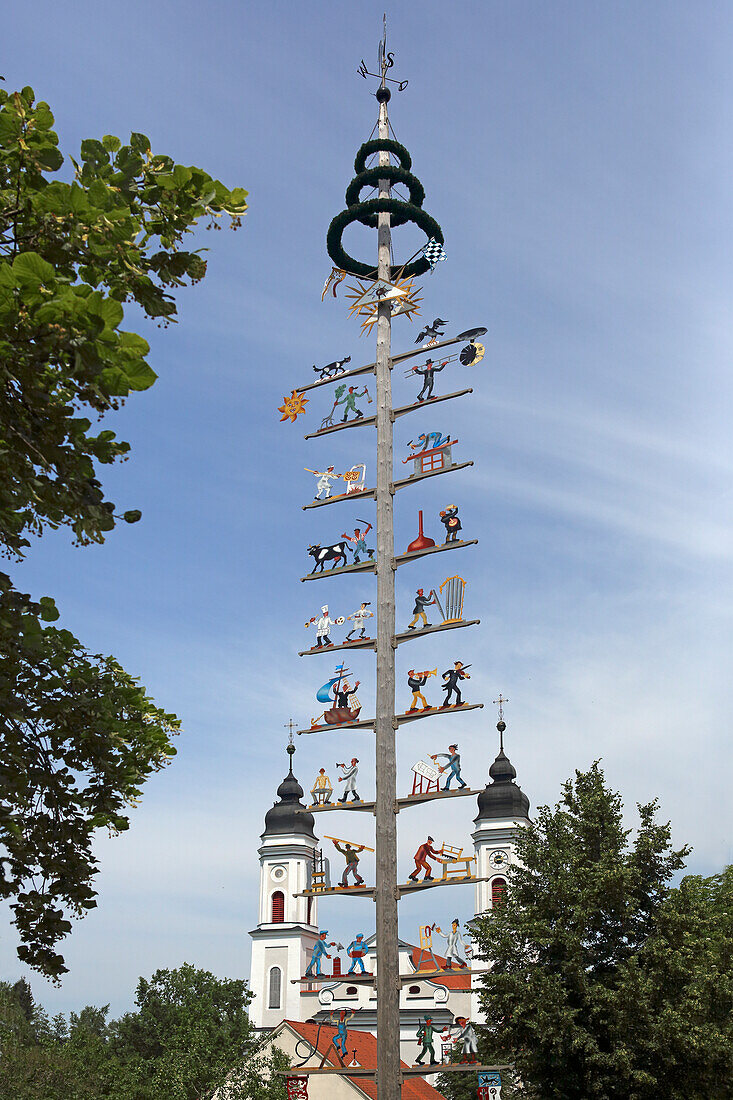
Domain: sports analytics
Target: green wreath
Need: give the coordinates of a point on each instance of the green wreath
(366, 212)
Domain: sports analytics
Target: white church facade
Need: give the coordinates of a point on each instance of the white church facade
(287, 925)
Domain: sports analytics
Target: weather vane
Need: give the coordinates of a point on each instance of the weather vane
(290, 726)
(386, 61)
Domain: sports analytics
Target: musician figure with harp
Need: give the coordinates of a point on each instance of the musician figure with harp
(421, 602)
(415, 681)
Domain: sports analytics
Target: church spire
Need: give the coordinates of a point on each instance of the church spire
(288, 814)
(502, 798)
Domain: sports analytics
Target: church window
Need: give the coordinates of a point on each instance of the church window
(498, 887)
(309, 913)
(278, 907)
(275, 986)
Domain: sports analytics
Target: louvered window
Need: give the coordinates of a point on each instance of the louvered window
(498, 886)
(278, 907)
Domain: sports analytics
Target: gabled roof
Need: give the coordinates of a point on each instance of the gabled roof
(459, 979)
(365, 1045)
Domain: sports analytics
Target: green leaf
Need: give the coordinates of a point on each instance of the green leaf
(139, 375)
(140, 143)
(49, 611)
(29, 267)
(133, 516)
(111, 143)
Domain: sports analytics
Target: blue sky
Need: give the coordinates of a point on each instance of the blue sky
(578, 158)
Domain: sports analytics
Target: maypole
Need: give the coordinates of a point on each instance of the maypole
(388, 986)
(382, 292)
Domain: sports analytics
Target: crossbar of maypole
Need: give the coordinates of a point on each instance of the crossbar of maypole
(389, 1076)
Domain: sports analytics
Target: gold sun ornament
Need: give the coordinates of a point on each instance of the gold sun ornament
(403, 298)
(293, 406)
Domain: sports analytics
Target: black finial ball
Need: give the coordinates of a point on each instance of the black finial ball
(383, 95)
(501, 726)
(291, 749)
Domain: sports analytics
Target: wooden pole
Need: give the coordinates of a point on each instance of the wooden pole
(388, 985)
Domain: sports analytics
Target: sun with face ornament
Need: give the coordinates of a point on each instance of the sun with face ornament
(293, 406)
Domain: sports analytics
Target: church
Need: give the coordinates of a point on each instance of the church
(287, 924)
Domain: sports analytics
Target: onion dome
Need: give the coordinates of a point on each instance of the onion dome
(502, 798)
(286, 815)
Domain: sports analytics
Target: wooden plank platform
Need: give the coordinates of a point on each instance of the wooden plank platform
(368, 368)
(402, 410)
(366, 724)
(369, 979)
(400, 559)
(400, 803)
(358, 891)
(359, 422)
(408, 635)
(362, 567)
(359, 495)
(413, 887)
(406, 1071)
(400, 719)
(431, 473)
(358, 643)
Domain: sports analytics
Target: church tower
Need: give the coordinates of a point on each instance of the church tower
(287, 925)
(503, 809)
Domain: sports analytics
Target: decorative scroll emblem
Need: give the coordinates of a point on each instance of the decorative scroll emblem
(296, 1088)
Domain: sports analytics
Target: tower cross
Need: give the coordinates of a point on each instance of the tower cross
(290, 725)
(500, 702)
(500, 725)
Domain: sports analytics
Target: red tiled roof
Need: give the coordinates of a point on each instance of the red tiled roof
(365, 1045)
(459, 979)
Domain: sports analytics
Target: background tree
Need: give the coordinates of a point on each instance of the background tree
(189, 1038)
(604, 979)
(78, 735)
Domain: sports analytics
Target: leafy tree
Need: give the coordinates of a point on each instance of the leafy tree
(604, 981)
(189, 1038)
(78, 735)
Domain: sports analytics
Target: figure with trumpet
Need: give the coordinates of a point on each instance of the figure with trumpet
(415, 681)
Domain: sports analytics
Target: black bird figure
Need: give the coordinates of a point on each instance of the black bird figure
(432, 331)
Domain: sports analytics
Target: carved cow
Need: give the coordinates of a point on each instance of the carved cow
(322, 554)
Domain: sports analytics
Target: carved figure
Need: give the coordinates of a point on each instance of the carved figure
(322, 790)
(320, 949)
(428, 371)
(359, 541)
(421, 860)
(425, 1033)
(351, 855)
(349, 778)
(454, 764)
(449, 519)
(332, 370)
(356, 951)
(321, 554)
(415, 681)
(453, 939)
(421, 602)
(359, 618)
(452, 678)
(433, 332)
(323, 622)
(325, 477)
